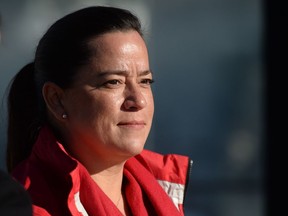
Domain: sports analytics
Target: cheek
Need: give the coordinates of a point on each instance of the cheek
(80, 106)
(103, 106)
(150, 102)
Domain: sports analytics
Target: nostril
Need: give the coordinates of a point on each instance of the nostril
(130, 105)
(134, 103)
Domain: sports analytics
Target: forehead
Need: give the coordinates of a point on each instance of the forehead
(116, 52)
(119, 51)
(118, 42)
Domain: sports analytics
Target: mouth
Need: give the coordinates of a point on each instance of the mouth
(132, 124)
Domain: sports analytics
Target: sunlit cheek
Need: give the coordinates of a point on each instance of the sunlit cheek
(108, 105)
(150, 100)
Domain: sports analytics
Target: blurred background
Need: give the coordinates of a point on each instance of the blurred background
(206, 56)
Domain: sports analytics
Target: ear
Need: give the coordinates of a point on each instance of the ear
(53, 95)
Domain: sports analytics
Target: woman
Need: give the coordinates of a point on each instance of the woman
(79, 116)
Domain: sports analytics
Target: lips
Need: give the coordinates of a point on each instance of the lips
(132, 124)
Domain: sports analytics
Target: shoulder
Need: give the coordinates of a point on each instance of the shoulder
(171, 167)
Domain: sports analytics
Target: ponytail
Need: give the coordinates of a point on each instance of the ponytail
(23, 117)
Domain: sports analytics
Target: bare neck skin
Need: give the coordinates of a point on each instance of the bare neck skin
(110, 181)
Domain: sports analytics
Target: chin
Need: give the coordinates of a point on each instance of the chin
(134, 149)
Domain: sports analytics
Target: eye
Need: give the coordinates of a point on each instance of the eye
(147, 81)
(112, 83)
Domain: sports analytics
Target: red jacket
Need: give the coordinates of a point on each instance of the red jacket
(58, 184)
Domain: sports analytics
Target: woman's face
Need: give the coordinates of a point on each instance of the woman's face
(110, 107)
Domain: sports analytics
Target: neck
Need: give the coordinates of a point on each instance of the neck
(110, 181)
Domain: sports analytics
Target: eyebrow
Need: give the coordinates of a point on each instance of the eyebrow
(122, 73)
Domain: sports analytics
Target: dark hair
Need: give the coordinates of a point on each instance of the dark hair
(60, 53)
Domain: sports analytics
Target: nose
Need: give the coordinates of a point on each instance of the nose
(134, 99)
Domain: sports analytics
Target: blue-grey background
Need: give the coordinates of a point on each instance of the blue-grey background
(206, 59)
